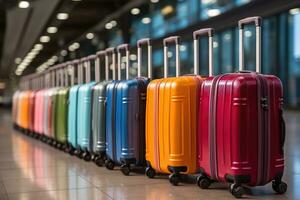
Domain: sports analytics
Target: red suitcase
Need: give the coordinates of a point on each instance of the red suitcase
(241, 138)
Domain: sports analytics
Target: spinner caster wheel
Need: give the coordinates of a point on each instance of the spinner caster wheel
(279, 187)
(109, 164)
(237, 190)
(125, 169)
(150, 172)
(174, 179)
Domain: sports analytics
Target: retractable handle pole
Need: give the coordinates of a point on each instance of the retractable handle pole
(74, 64)
(110, 52)
(209, 32)
(99, 55)
(88, 66)
(140, 43)
(167, 41)
(258, 23)
(127, 62)
(66, 73)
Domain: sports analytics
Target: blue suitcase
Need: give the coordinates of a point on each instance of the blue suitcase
(84, 113)
(72, 110)
(125, 118)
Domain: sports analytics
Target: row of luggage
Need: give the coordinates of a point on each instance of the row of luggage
(227, 128)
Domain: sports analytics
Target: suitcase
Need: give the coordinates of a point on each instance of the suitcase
(242, 128)
(84, 113)
(98, 114)
(15, 108)
(61, 113)
(72, 109)
(50, 84)
(171, 111)
(31, 111)
(125, 124)
(39, 108)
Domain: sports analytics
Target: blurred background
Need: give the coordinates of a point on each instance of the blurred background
(37, 34)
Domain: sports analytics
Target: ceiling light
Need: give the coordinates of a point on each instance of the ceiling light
(208, 1)
(18, 60)
(215, 44)
(133, 57)
(213, 12)
(182, 48)
(294, 11)
(90, 36)
(167, 10)
(108, 26)
(71, 48)
(76, 45)
(38, 47)
(52, 29)
(135, 11)
(64, 53)
(113, 23)
(248, 34)
(146, 20)
(62, 16)
(76, 0)
(44, 39)
(154, 1)
(24, 4)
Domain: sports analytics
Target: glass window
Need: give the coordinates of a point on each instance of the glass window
(226, 48)
(294, 58)
(212, 8)
(269, 41)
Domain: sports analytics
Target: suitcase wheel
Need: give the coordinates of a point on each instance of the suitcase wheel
(150, 172)
(125, 169)
(86, 156)
(174, 179)
(203, 182)
(279, 187)
(237, 190)
(99, 161)
(109, 164)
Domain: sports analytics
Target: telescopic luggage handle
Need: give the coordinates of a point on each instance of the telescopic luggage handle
(127, 62)
(110, 52)
(140, 43)
(196, 35)
(258, 23)
(169, 40)
(100, 54)
(87, 65)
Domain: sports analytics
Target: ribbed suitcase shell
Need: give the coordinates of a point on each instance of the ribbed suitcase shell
(171, 124)
(98, 117)
(247, 145)
(24, 110)
(84, 116)
(15, 107)
(39, 111)
(61, 124)
(72, 116)
(31, 110)
(125, 122)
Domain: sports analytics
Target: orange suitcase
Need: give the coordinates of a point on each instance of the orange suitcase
(171, 127)
(24, 110)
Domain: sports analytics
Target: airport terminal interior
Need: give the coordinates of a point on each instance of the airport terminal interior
(149, 99)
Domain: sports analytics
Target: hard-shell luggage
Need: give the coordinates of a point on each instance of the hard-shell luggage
(125, 124)
(72, 110)
(50, 86)
(61, 113)
(84, 112)
(31, 111)
(171, 112)
(242, 130)
(15, 108)
(99, 108)
(24, 110)
(39, 107)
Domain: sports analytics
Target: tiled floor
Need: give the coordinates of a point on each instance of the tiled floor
(30, 169)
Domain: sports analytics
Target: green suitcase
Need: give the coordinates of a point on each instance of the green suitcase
(61, 109)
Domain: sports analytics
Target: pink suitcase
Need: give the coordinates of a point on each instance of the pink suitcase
(241, 128)
(39, 108)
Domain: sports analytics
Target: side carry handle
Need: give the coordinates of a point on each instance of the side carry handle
(127, 62)
(258, 23)
(110, 52)
(196, 35)
(167, 41)
(140, 43)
